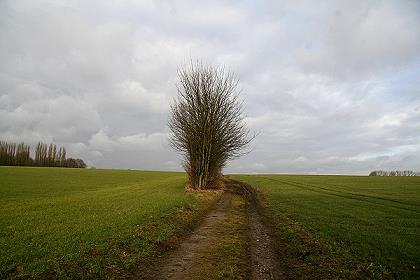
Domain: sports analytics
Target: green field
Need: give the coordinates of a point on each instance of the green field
(374, 220)
(76, 223)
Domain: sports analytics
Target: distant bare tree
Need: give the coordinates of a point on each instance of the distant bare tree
(50, 155)
(7, 153)
(45, 155)
(207, 123)
(394, 173)
(62, 157)
(22, 155)
(38, 154)
(41, 157)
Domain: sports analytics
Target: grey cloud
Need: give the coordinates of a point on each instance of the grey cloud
(372, 35)
(331, 87)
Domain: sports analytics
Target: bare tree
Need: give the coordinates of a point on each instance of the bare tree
(394, 173)
(38, 154)
(45, 155)
(22, 155)
(207, 123)
(62, 157)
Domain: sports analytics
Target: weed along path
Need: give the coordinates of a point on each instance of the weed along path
(232, 242)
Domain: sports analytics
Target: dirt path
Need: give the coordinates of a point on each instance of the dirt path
(190, 252)
(232, 242)
(264, 259)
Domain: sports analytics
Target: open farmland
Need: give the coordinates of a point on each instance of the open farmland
(77, 223)
(370, 224)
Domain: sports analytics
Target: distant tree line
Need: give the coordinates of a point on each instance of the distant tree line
(394, 173)
(13, 154)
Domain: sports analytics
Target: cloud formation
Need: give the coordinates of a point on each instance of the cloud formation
(331, 87)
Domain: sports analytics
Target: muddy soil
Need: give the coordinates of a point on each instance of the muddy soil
(264, 260)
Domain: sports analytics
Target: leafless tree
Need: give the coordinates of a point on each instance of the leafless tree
(394, 173)
(45, 155)
(41, 156)
(62, 157)
(22, 155)
(207, 123)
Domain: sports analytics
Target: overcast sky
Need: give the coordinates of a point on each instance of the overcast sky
(330, 86)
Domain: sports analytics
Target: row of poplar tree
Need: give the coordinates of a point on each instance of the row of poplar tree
(19, 154)
(394, 173)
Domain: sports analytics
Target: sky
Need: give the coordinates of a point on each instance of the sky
(330, 87)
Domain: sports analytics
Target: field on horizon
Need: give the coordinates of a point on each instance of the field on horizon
(375, 220)
(74, 223)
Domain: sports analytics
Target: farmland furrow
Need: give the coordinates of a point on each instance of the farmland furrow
(347, 195)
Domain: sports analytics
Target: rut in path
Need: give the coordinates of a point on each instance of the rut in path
(264, 259)
(192, 256)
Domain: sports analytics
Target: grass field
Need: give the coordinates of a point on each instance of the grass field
(84, 223)
(375, 220)
(78, 223)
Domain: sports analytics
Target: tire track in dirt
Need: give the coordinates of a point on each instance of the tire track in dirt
(263, 256)
(264, 260)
